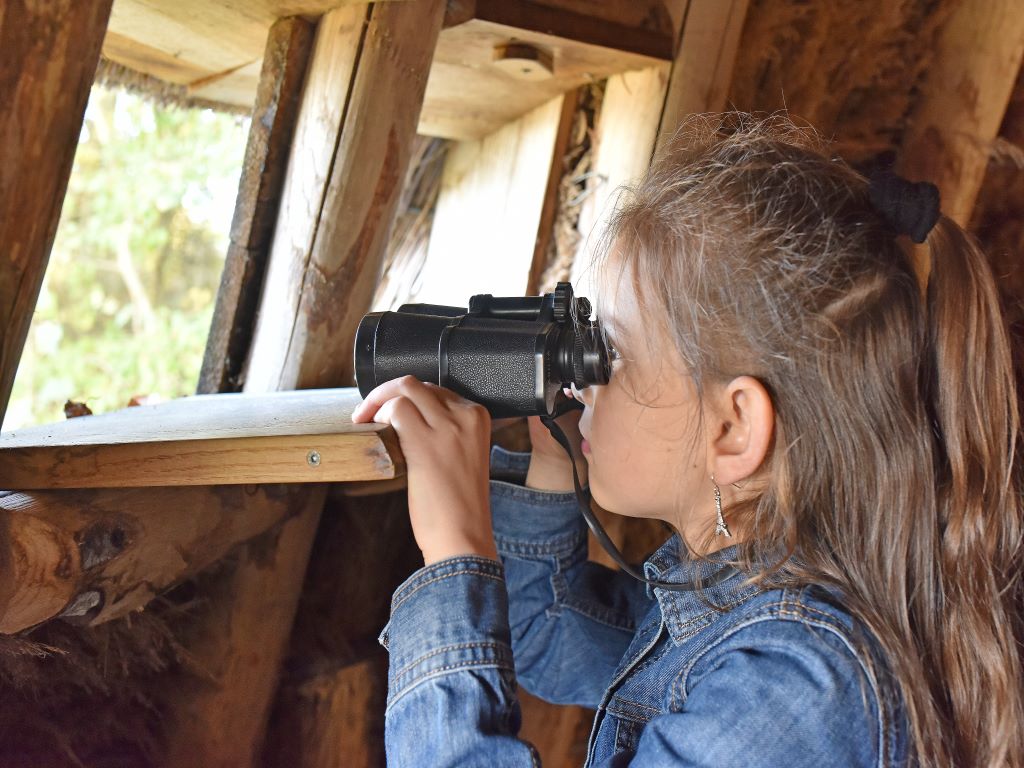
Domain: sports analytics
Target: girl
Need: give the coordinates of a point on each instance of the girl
(826, 426)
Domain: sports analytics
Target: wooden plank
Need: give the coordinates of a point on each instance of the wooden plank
(98, 555)
(221, 714)
(549, 207)
(323, 107)
(702, 69)
(623, 144)
(489, 210)
(469, 97)
(962, 101)
(334, 719)
(203, 440)
(296, 341)
(578, 24)
(275, 114)
(48, 57)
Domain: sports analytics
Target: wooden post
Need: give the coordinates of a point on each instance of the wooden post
(491, 208)
(962, 101)
(100, 554)
(352, 143)
(259, 192)
(549, 210)
(320, 297)
(48, 57)
(702, 70)
(622, 147)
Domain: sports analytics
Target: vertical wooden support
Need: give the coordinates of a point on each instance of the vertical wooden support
(490, 209)
(361, 103)
(274, 115)
(702, 70)
(311, 345)
(549, 209)
(962, 101)
(48, 57)
(623, 144)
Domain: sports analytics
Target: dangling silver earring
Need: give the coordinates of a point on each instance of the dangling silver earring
(721, 529)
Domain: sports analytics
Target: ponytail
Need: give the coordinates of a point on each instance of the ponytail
(976, 653)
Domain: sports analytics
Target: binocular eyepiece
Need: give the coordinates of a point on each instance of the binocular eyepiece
(513, 355)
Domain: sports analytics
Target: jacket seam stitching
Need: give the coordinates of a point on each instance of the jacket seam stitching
(449, 669)
(416, 587)
(444, 649)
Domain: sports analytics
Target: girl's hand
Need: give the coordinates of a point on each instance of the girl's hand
(550, 468)
(446, 442)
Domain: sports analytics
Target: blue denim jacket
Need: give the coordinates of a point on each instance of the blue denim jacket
(773, 678)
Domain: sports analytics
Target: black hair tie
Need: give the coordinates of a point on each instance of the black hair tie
(909, 208)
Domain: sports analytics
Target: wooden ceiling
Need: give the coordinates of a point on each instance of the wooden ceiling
(496, 59)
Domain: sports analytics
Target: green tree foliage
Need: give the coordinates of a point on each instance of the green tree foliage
(128, 295)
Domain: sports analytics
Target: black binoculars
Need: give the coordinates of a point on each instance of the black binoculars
(513, 354)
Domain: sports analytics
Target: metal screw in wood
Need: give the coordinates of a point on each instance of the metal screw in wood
(313, 458)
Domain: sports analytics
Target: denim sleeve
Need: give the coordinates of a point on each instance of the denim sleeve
(451, 680)
(783, 693)
(571, 620)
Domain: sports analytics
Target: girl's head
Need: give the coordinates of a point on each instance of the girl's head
(858, 412)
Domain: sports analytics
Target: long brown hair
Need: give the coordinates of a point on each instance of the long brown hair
(893, 472)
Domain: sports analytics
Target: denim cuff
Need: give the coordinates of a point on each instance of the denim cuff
(447, 616)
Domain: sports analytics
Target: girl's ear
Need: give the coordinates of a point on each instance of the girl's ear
(741, 418)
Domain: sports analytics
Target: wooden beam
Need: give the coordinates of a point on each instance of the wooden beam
(279, 437)
(324, 103)
(962, 101)
(98, 555)
(337, 206)
(559, 20)
(331, 720)
(48, 57)
(549, 207)
(704, 62)
(623, 143)
(220, 713)
(309, 341)
(287, 54)
(471, 94)
(490, 209)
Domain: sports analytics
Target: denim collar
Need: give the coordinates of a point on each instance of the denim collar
(686, 613)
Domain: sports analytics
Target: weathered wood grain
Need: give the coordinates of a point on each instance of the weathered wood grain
(98, 555)
(704, 63)
(324, 103)
(296, 437)
(336, 274)
(489, 210)
(48, 57)
(275, 114)
(218, 716)
(962, 101)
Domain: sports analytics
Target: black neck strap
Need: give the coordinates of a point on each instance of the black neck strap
(583, 498)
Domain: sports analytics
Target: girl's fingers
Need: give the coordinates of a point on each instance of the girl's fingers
(402, 414)
(428, 403)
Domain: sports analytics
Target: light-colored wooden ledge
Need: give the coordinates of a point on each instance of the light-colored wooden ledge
(302, 436)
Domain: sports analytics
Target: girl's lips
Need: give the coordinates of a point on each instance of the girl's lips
(585, 446)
